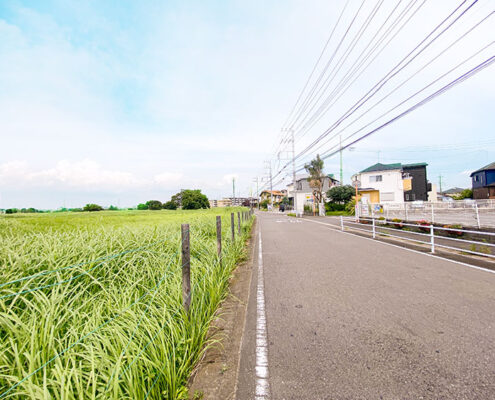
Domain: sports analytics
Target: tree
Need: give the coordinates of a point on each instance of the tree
(341, 194)
(194, 200)
(170, 205)
(113, 208)
(154, 205)
(316, 177)
(285, 201)
(264, 204)
(142, 206)
(465, 194)
(92, 207)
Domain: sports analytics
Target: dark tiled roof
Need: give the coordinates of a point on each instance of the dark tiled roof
(419, 164)
(485, 168)
(382, 167)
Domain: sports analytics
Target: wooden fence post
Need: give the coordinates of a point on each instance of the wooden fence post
(239, 223)
(186, 267)
(232, 226)
(219, 238)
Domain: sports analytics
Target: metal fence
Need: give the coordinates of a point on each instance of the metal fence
(472, 213)
(473, 242)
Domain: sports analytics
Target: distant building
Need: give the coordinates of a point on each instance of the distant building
(240, 201)
(220, 203)
(483, 181)
(394, 183)
(237, 202)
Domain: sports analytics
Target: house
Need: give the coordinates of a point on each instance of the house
(394, 183)
(483, 181)
(415, 180)
(277, 195)
(304, 192)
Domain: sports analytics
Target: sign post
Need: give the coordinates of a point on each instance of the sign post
(357, 184)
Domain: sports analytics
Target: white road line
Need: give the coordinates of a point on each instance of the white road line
(337, 229)
(262, 385)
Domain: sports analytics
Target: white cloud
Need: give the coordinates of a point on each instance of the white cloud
(227, 179)
(82, 175)
(167, 178)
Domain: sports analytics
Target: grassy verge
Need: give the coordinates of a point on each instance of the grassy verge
(107, 327)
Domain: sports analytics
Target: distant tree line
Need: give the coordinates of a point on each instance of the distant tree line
(29, 210)
(185, 199)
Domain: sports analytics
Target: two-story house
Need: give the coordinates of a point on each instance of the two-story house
(393, 183)
(483, 181)
(304, 192)
(276, 195)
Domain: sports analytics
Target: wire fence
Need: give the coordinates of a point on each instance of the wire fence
(199, 254)
(465, 241)
(470, 213)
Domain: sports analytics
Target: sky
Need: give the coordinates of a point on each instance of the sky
(119, 102)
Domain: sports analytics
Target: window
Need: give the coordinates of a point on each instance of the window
(407, 197)
(375, 178)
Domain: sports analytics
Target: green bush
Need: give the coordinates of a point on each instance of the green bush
(154, 205)
(329, 207)
(264, 204)
(350, 207)
(170, 205)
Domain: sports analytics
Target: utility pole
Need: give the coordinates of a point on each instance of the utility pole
(293, 169)
(257, 192)
(341, 169)
(233, 192)
(271, 185)
(269, 167)
(440, 182)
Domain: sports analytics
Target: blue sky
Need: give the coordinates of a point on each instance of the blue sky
(118, 102)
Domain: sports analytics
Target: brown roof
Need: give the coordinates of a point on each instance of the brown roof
(274, 192)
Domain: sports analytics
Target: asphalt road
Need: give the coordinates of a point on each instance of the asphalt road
(351, 318)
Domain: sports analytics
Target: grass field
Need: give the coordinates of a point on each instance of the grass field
(90, 303)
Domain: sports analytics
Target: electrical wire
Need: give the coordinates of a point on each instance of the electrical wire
(393, 72)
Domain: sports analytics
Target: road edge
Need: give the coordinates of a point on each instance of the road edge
(216, 375)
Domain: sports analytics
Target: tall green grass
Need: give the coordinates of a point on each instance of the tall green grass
(115, 329)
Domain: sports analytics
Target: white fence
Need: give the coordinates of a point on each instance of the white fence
(473, 213)
(430, 235)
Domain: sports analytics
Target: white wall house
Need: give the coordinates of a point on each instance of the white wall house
(304, 193)
(382, 184)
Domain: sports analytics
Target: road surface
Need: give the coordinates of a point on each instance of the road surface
(351, 318)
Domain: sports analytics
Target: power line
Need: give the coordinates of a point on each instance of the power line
(316, 64)
(339, 90)
(328, 81)
(309, 97)
(407, 99)
(393, 72)
(451, 84)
